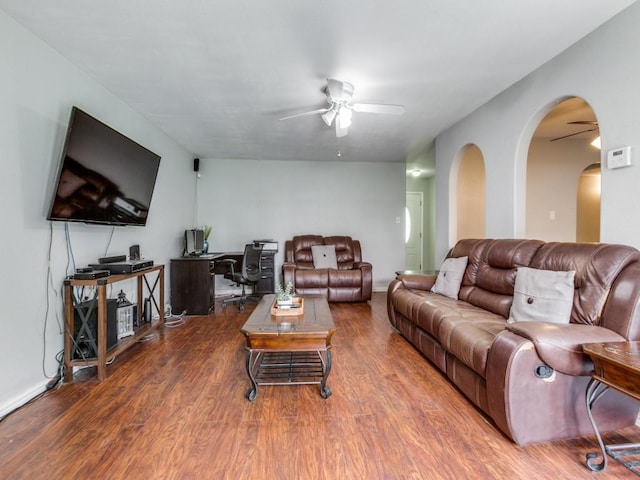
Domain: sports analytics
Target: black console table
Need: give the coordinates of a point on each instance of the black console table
(75, 293)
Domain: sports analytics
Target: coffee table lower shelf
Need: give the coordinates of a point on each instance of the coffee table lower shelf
(288, 368)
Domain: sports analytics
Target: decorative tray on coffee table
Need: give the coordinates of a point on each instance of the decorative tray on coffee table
(296, 308)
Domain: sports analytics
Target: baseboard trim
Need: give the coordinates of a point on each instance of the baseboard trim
(19, 401)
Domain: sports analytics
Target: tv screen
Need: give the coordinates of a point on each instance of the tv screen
(104, 177)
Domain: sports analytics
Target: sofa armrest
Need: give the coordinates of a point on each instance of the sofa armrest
(367, 278)
(560, 345)
(288, 273)
(361, 265)
(417, 281)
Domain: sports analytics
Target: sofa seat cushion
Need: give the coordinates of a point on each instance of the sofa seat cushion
(464, 330)
(344, 278)
(470, 339)
(314, 278)
(407, 302)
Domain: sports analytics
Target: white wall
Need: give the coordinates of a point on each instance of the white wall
(602, 69)
(37, 90)
(251, 199)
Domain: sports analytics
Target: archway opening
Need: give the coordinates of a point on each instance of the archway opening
(588, 205)
(470, 194)
(561, 203)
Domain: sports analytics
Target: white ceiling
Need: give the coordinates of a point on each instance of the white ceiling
(216, 75)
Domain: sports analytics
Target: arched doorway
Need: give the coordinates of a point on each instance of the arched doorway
(470, 194)
(560, 151)
(588, 205)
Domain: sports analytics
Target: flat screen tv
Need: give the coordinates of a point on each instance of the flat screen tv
(104, 177)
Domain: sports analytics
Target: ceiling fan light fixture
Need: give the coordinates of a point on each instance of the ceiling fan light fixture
(340, 109)
(597, 143)
(328, 117)
(344, 117)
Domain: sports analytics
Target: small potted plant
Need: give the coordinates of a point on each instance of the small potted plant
(207, 231)
(284, 296)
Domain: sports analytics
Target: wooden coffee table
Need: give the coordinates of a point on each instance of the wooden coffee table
(617, 366)
(289, 350)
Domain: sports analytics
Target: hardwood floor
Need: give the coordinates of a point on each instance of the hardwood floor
(174, 407)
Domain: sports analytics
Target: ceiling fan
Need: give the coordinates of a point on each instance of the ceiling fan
(593, 123)
(340, 109)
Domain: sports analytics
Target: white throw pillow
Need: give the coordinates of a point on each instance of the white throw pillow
(450, 277)
(542, 296)
(324, 256)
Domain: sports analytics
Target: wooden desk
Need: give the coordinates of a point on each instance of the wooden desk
(266, 284)
(193, 284)
(617, 366)
(219, 267)
(193, 279)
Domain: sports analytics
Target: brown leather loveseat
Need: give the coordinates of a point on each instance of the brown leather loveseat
(528, 376)
(349, 281)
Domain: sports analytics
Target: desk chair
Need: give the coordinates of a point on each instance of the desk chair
(249, 274)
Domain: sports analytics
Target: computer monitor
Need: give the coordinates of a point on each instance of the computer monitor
(193, 242)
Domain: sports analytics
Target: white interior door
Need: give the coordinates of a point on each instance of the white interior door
(413, 232)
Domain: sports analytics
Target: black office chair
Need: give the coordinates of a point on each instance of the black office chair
(249, 274)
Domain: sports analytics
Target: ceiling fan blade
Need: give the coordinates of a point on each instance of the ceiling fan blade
(584, 122)
(574, 134)
(378, 108)
(305, 114)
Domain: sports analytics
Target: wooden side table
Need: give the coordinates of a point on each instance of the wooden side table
(617, 366)
(96, 329)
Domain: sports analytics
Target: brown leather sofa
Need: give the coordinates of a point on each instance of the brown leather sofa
(350, 282)
(529, 377)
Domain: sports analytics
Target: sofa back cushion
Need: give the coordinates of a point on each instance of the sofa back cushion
(346, 252)
(491, 271)
(606, 278)
(596, 265)
(299, 250)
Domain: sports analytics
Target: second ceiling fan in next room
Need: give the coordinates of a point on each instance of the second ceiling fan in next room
(592, 123)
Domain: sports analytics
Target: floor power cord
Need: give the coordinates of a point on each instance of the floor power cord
(173, 321)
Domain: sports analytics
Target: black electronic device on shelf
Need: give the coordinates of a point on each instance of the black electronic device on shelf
(90, 274)
(112, 259)
(117, 268)
(85, 331)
